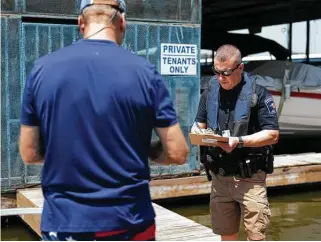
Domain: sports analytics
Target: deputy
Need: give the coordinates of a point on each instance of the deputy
(233, 103)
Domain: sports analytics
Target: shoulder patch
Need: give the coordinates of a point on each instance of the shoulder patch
(269, 102)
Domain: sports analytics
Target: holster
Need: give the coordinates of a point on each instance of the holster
(206, 162)
(269, 159)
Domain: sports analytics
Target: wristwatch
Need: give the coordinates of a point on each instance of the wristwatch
(240, 144)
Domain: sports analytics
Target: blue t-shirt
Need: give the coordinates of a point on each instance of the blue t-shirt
(96, 105)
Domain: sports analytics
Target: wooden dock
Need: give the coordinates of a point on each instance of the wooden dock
(169, 225)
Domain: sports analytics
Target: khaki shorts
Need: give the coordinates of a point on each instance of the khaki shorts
(232, 197)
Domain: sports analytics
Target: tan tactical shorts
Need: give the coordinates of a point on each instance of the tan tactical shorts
(232, 197)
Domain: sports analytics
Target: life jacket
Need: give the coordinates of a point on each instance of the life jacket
(246, 100)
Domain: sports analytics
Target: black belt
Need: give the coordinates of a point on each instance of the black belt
(243, 168)
(227, 170)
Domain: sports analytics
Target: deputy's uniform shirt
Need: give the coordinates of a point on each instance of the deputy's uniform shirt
(96, 104)
(263, 115)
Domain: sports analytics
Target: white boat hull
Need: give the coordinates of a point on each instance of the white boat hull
(301, 113)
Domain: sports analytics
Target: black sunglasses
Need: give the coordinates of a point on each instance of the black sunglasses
(226, 72)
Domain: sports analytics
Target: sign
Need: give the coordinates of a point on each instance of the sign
(178, 59)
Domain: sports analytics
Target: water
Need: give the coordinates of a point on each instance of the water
(13, 229)
(294, 216)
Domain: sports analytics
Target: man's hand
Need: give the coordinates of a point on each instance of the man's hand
(230, 146)
(173, 144)
(198, 128)
(155, 150)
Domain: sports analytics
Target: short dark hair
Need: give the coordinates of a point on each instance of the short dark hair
(226, 52)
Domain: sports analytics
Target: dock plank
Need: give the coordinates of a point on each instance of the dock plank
(23, 201)
(169, 225)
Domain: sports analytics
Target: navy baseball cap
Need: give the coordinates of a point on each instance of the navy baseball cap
(120, 5)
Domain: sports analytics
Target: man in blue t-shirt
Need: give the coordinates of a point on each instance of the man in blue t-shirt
(88, 112)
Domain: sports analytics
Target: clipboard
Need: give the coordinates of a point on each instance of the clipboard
(206, 139)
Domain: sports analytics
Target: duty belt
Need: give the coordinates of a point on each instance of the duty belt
(244, 168)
